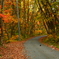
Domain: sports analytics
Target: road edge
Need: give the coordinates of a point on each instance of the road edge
(41, 41)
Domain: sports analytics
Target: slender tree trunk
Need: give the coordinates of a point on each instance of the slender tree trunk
(28, 20)
(18, 19)
(24, 18)
(1, 23)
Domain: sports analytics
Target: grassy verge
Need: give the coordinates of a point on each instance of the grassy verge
(49, 42)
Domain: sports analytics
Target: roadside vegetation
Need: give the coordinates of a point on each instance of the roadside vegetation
(52, 41)
(50, 12)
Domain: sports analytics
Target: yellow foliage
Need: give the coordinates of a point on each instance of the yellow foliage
(5, 34)
(21, 20)
(14, 37)
(50, 35)
(38, 31)
(11, 40)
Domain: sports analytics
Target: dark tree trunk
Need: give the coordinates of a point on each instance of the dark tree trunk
(1, 23)
(49, 25)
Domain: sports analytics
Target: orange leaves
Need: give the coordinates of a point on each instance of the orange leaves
(7, 18)
(5, 6)
(14, 50)
(38, 22)
(38, 31)
(7, 11)
(0, 6)
(1, 15)
(9, 3)
(14, 37)
(50, 35)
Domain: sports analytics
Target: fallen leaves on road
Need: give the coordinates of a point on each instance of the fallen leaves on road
(14, 50)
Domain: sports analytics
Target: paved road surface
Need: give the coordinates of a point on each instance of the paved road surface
(35, 51)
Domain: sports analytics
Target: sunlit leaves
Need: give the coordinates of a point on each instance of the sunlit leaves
(38, 31)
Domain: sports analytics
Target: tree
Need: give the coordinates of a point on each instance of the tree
(48, 14)
(1, 21)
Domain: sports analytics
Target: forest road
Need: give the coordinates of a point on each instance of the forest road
(36, 50)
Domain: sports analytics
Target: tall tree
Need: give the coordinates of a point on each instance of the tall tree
(1, 22)
(45, 11)
(18, 18)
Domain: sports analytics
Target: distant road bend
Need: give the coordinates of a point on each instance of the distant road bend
(35, 51)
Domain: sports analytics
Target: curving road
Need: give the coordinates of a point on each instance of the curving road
(36, 50)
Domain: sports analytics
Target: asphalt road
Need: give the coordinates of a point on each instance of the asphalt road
(36, 50)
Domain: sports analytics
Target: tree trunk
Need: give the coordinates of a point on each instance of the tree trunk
(1, 23)
(46, 13)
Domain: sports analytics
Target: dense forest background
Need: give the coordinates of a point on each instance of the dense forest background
(21, 19)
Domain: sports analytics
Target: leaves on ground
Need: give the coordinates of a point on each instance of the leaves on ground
(13, 50)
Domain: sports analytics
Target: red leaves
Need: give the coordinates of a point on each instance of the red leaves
(1, 15)
(5, 18)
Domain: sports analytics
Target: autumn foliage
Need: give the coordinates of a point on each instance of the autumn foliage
(5, 18)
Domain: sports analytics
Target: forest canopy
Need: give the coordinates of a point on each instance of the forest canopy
(21, 19)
